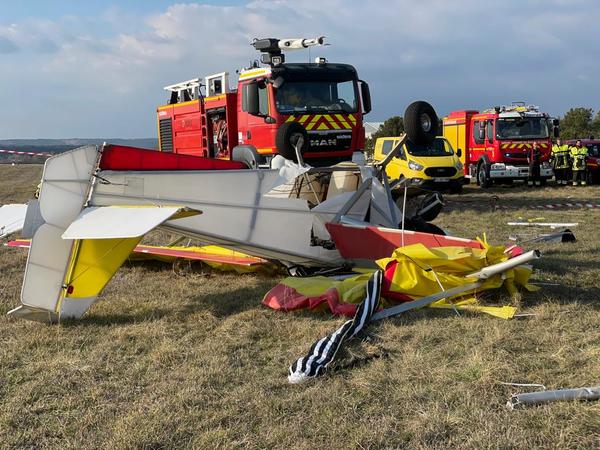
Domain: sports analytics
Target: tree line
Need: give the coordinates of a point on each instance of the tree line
(576, 123)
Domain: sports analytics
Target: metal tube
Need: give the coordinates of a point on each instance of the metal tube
(391, 204)
(366, 184)
(422, 302)
(392, 154)
(538, 398)
(482, 275)
(506, 265)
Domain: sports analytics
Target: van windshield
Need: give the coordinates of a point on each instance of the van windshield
(439, 147)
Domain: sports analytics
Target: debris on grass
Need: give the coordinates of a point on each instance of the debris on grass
(539, 398)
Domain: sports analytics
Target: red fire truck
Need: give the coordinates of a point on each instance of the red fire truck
(493, 144)
(272, 106)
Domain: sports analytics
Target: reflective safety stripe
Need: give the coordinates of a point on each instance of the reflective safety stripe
(325, 122)
(341, 120)
(524, 145)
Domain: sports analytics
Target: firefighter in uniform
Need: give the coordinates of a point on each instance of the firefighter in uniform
(578, 156)
(560, 162)
(534, 158)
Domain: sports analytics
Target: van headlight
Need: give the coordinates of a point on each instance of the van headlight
(415, 166)
(498, 166)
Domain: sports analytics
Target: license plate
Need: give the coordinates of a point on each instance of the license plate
(441, 180)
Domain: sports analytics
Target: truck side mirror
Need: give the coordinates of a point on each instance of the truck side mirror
(365, 93)
(481, 133)
(459, 152)
(556, 131)
(555, 122)
(250, 98)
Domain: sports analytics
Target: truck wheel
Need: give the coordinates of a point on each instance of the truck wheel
(483, 178)
(421, 122)
(287, 138)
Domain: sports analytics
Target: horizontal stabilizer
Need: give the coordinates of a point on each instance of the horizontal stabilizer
(37, 315)
(109, 222)
(12, 218)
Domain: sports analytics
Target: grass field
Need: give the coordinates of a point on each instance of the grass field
(168, 361)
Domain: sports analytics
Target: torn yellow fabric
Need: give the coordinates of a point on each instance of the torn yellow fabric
(414, 272)
(472, 304)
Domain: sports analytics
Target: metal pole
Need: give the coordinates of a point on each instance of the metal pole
(422, 302)
(403, 213)
(538, 398)
(482, 275)
(352, 200)
(392, 154)
(506, 265)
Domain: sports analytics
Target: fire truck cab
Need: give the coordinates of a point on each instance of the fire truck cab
(270, 108)
(495, 143)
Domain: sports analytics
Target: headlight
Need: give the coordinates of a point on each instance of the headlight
(498, 166)
(459, 165)
(546, 165)
(415, 166)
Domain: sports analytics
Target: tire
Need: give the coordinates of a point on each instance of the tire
(286, 138)
(421, 123)
(483, 177)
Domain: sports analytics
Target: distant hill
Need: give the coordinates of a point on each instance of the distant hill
(61, 145)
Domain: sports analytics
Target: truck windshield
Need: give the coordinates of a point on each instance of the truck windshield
(316, 97)
(522, 128)
(593, 149)
(439, 147)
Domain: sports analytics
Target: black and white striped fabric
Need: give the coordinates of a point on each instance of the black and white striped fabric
(322, 353)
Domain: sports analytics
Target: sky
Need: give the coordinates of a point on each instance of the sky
(73, 68)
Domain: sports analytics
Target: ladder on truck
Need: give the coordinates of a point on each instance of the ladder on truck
(190, 90)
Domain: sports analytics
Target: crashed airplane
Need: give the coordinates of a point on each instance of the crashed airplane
(96, 204)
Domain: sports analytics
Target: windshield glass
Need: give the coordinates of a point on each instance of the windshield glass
(439, 147)
(522, 128)
(593, 149)
(316, 96)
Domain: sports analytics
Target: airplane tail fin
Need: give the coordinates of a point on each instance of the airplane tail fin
(76, 249)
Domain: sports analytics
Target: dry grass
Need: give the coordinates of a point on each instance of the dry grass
(196, 361)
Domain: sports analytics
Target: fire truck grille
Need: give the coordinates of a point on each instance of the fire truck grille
(328, 141)
(166, 135)
(440, 171)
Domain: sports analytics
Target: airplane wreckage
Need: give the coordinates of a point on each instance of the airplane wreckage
(96, 203)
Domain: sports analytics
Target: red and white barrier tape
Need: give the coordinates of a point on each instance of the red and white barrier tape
(14, 152)
(552, 206)
(547, 206)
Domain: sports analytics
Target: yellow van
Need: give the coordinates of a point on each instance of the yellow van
(433, 166)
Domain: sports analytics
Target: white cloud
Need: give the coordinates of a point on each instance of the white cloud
(102, 76)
